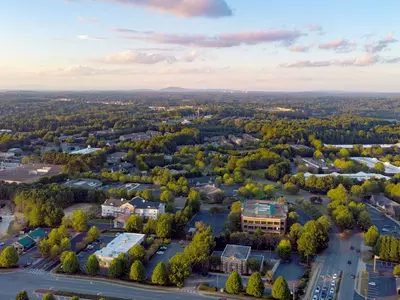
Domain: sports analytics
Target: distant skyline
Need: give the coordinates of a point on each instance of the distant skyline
(255, 45)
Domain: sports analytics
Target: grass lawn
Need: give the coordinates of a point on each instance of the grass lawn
(103, 221)
(368, 257)
(364, 283)
(256, 173)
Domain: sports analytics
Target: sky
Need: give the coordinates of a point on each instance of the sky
(260, 45)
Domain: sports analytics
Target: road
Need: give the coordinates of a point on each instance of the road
(335, 259)
(28, 280)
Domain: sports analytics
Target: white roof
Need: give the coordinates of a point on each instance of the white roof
(359, 175)
(349, 146)
(85, 151)
(121, 244)
(371, 161)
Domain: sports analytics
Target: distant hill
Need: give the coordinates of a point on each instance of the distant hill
(173, 89)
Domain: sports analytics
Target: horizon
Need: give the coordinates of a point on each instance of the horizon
(115, 45)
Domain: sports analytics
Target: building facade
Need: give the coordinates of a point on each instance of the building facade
(268, 216)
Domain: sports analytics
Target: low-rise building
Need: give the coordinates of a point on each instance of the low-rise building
(29, 240)
(84, 183)
(361, 176)
(84, 151)
(386, 205)
(268, 216)
(121, 244)
(138, 206)
(235, 257)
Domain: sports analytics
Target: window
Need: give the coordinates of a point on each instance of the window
(263, 222)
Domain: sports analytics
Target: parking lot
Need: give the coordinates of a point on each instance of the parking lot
(172, 249)
(216, 221)
(385, 225)
(380, 286)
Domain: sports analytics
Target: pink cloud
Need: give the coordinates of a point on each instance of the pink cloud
(339, 45)
(363, 61)
(380, 45)
(182, 8)
(216, 41)
(87, 19)
(299, 48)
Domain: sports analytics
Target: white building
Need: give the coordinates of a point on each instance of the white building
(121, 244)
(87, 150)
(350, 146)
(371, 161)
(359, 176)
(137, 206)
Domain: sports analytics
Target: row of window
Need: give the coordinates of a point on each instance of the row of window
(263, 222)
(264, 227)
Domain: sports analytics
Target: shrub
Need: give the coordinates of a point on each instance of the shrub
(207, 288)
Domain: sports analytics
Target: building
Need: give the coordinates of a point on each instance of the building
(30, 240)
(350, 146)
(121, 244)
(361, 176)
(268, 216)
(138, 206)
(211, 192)
(87, 150)
(371, 161)
(116, 157)
(84, 183)
(235, 257)
(27, 173)
(386, 205)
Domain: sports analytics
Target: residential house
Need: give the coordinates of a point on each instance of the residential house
(386, 205)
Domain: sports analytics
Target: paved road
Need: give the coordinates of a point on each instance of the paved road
(385, 225)
(31, 280)
(335, 259)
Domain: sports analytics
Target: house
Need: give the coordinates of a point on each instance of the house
(138, 206)
(268, 216)
(121, 220)
(212, 193)
(235, 257)
(386, 205)
(115, 157)
(29, 240)
(37, 235)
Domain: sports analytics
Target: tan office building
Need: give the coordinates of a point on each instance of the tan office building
(268, 216)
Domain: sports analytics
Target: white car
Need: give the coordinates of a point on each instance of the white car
(334, 276)
(315, 297)
(372, 283)
(160, 252)
(317, 290)
(2, 243)
(333, 283)
(332, 291)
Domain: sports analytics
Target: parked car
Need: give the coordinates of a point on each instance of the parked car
(352, 276)
(317, 290)
(330, 297)
(371, 283)
(349, 262)
(2, 243)
(332, 291)
(315, 297)
(333, 283)
(351, 248)
(334, 276)
(163, 248)
(160, 252)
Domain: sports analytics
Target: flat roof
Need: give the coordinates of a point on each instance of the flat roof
(121, 244)
(86, 183)
(85, 151)
(236, 251)
(359, 175)
(27, 173)
(371, 161)
(349, 146)
(264, 209)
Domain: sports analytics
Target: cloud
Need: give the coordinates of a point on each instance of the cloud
(91, 38)
(391, 60)
(380, 45)
(315, 28)
(87, 19)
(78, 70)
(192, 56)
(217, 41)
(339, 45)
(135, 57)
(363, 61)
(182, 8)
(299, 48)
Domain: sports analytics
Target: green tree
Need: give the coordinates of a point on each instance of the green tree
(295, 232)
(343, 153)
(291, 188)
(253, 264)
(325, 223)
(280, 289)
(371, 236)
(93, 233)
(307, 244)
(92, 266)
(79, 221)
(160, 275)
(167, 196)
(137, 272)
(44, 247)
(178, 269)
(74, 298)
(65, 244)
(379, 167)
(202, 243)
(396, 270)
(164, 225)
(194, 201)
(22, 295)
(136, 253)
(9, 257)
(71, 263)
(234, 283)
(269, 191)
(48, 296)
(150, 227)
(116, 268)
(255, 285)
(55, 251)
(318, 154)
(284, 249)
(134, 224)
(364, 220)
(294, 217)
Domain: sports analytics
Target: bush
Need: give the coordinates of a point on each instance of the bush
(167, 241)
(207, 288)
(152, 250)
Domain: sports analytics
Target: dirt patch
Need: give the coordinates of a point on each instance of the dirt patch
(86, 207)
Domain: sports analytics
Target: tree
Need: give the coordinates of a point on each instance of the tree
(307, 244)
(55, 251)
(74, 298)
(379, 167)
(364, 220)
(160, 275)
(343, 153)
(371, 236)
(178, 269)
(339, 194)
(234, 283)
(150, 227)
(65, 244)
(164, 225)
(291, 188)
(9, 257)
(93, 233)
(280, 289)
(294, 217)
(79, 221)
(134, 224)
(167, 196)
(343, 217)
(116, 268)
(396, 270)
(202, 243)
(255, 285)
(269, 191)
(71, 263)
(92, 266)
(194, 201)
(325, 223)
(253, 264)
(136, 253)
(44, 247)
(22, 295)
(318, 154)
(284, 249)
(357, 191)
(137, 272)
(295, 232)
(48, 296)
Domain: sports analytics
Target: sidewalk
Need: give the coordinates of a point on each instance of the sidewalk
(316, 270)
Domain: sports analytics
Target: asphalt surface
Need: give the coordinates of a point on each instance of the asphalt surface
(30, 281)
(385, 225)
(335, 260)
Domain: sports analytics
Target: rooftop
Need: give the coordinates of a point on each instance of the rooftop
(236, 251)
(371, 161)
(349, 146)
(28, 173)
(359, 175)
(137, 202)
(85, 183)
(37, 233)
(87, 150)
(26, 242)
(121, 244)
(264, 209)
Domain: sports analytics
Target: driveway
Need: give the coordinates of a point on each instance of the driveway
(172, 249)
(216, 221)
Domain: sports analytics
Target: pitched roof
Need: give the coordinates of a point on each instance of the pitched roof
(38, 233)
(26, 242)
(139, 202)
(236, 251)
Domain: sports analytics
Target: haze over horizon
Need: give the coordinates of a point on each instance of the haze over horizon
(200, 44)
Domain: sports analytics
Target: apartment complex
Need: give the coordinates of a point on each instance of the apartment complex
(268, 216)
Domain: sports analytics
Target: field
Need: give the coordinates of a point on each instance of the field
(86, 207)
